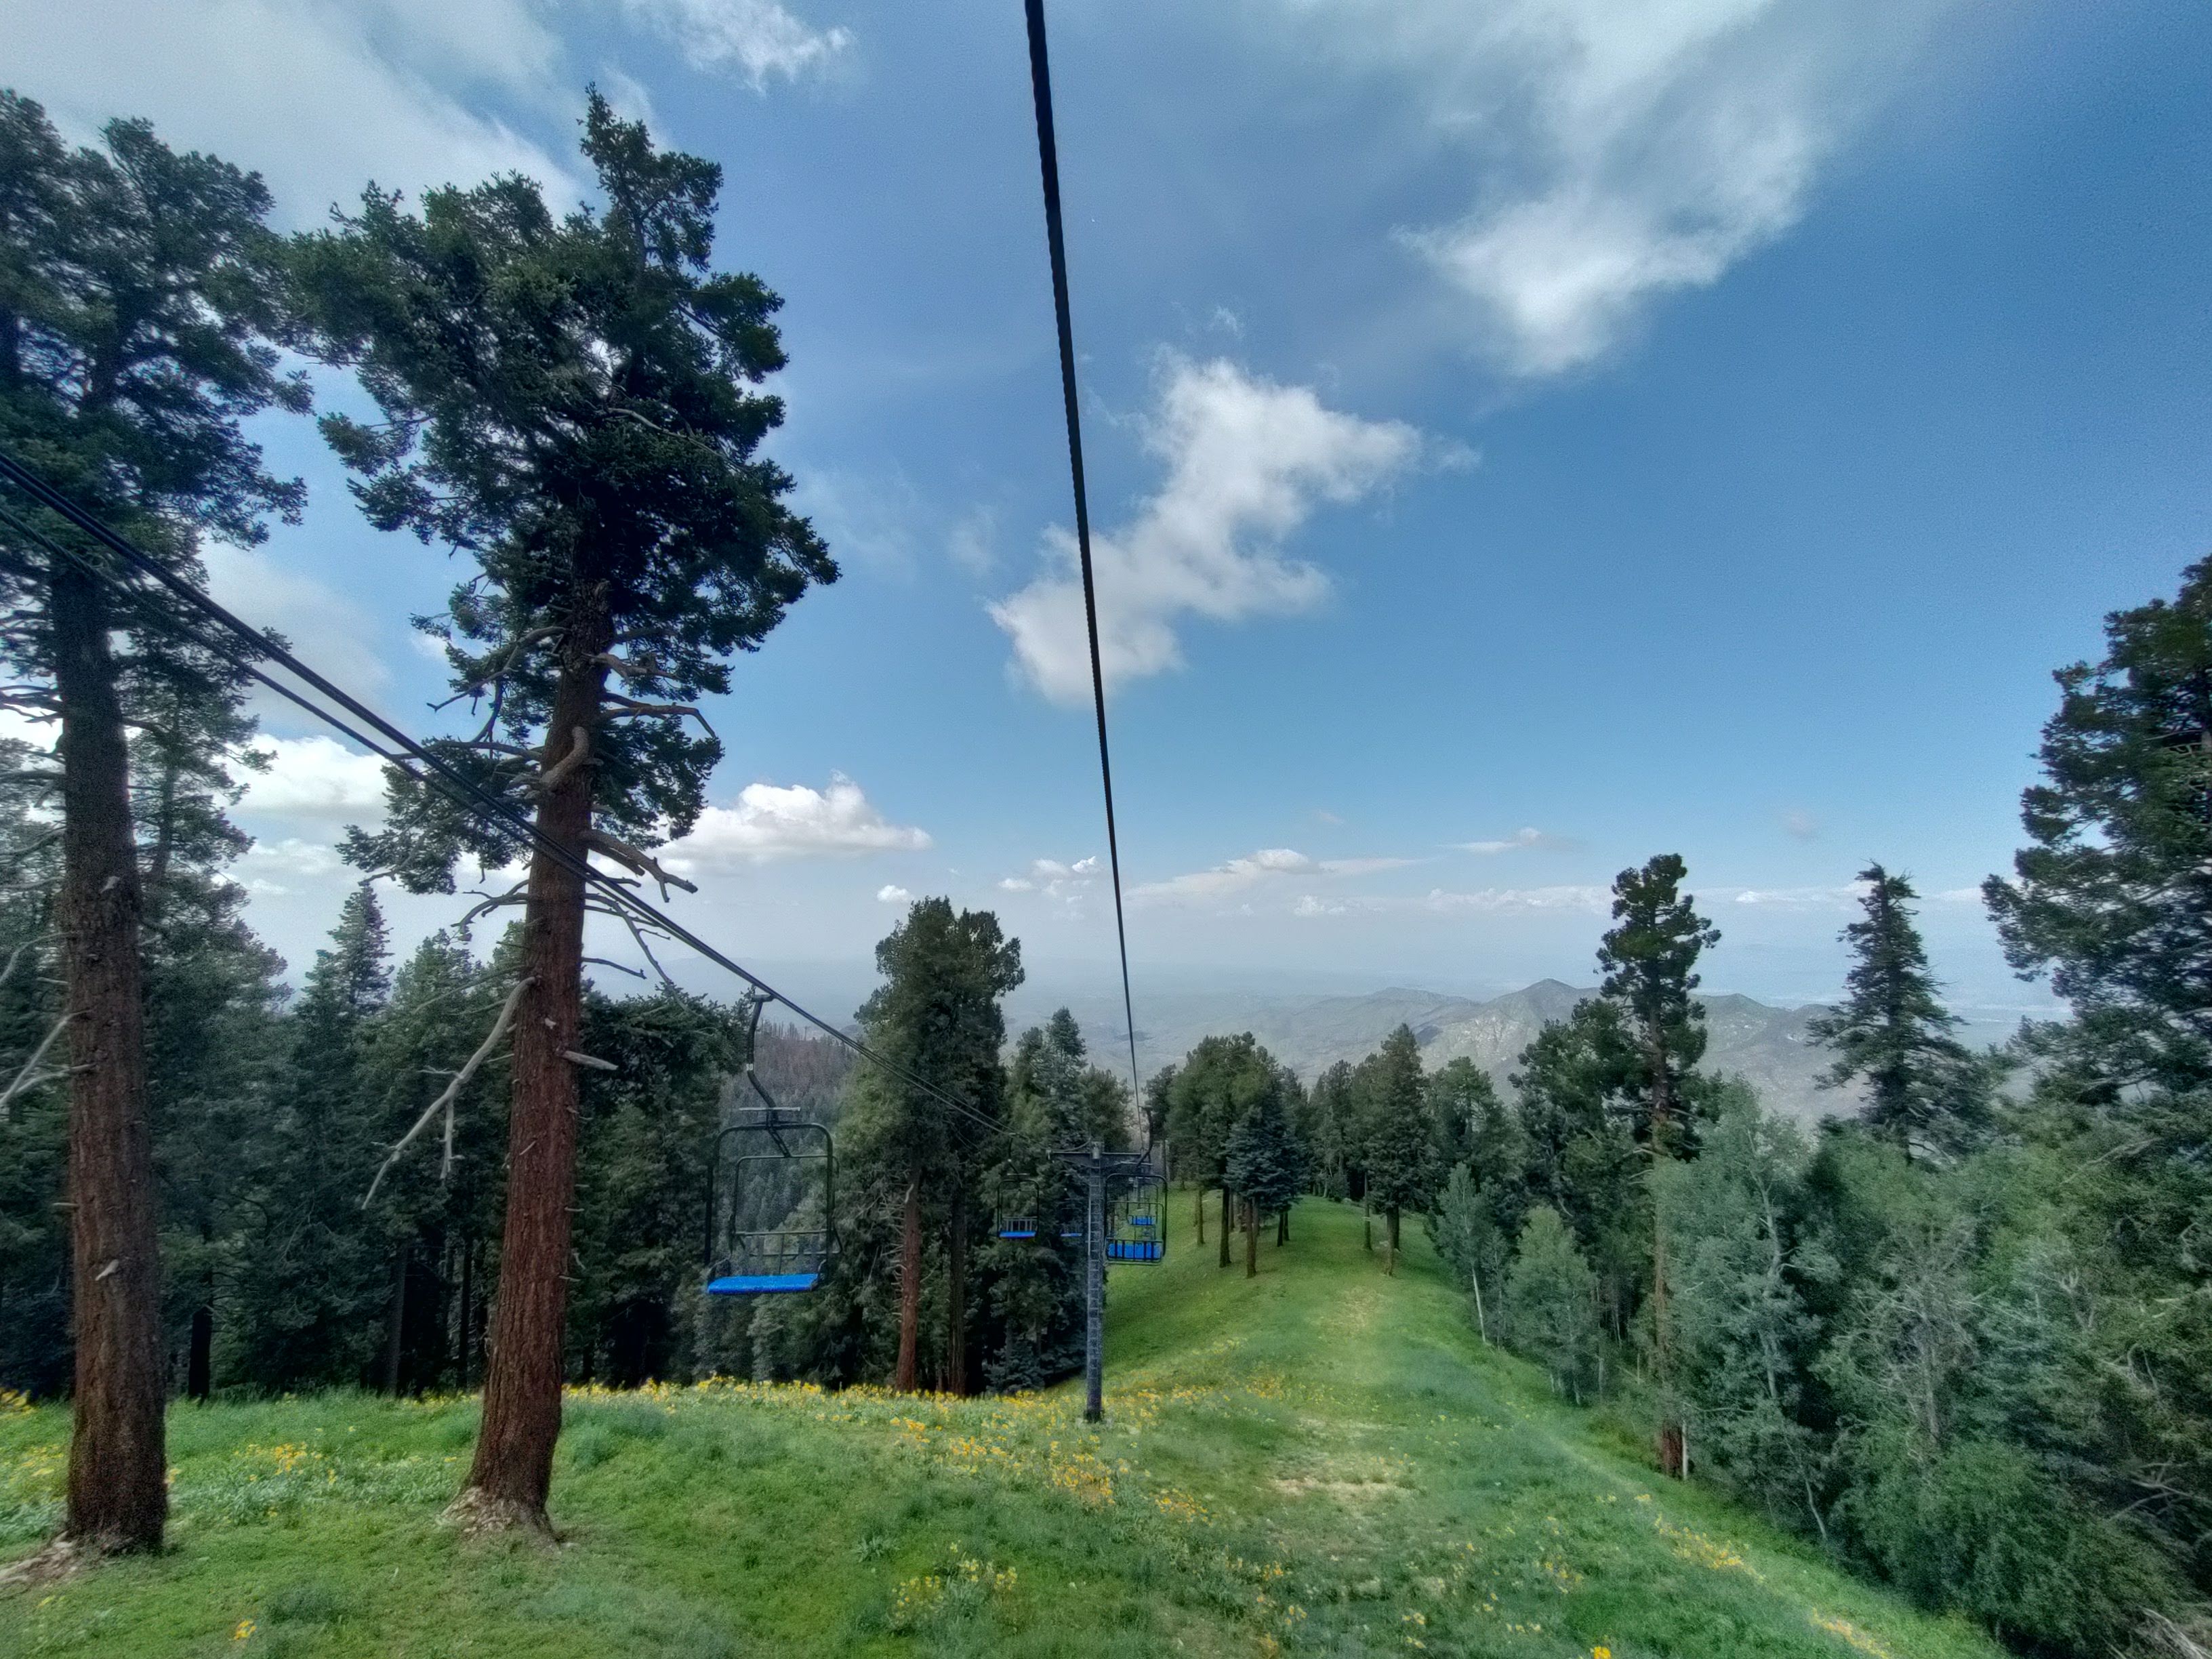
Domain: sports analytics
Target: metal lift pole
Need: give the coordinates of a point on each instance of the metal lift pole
(1094, 1289)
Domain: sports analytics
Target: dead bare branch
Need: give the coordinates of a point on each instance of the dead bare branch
(638, 860)
(619, 967)
(631, 708)
(516, 894)
(596, 1064)
(452, 1093)
(30, 1076)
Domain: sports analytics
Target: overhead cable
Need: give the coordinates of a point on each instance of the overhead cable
(1049, 165)
(399, 749)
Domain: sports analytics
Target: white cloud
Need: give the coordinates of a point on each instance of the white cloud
(1268, 863)
(973, 540)
(1249, 462)
(1054, 878)
(770, 821)
(752, 40)
(324, 626)
(1803, 897)
(890, 894)
(313, 777)
(1800, 825)
(1597, 900)
(1618, 152)
(320, 96)
(1519, 839)
(1308, 905)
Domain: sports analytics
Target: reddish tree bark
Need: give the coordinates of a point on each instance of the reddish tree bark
(119, 1496)
(512, 1471)
(905, 1377)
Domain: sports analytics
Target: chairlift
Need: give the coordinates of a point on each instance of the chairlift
(771, 1205)
(1016, 1226)
(1136, 1228)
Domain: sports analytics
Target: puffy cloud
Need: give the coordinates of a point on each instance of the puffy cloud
(770, 821)
(1248, 462)
(890, 893)
(1618, 153)
(1053, 879)
(1238, 874)
(1519, 839)
(313, 777)
(751, 40)
(318, 95)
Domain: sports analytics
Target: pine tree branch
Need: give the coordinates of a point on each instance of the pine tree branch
(579, 750)
(452, 1093)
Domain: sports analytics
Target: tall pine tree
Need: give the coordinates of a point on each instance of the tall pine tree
(1650, 957)
(1923, 1088)
(1402, 1136)
(138, 298)
(570, 402)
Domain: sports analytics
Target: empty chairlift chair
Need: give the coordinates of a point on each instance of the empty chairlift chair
(1136, 1226)
(771, 1209)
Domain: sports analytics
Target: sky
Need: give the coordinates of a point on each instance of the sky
(1524, 436)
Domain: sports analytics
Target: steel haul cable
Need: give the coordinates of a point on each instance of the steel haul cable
(1049, 165)
(398, 748)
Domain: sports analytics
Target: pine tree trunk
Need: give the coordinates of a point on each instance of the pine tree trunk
(119, 1496)
(904, 1378)
(199, 1358)
(1282, 1226)
(512, 1472)
(1226, 1228)
(468, 1308)
(1251, 1239)
(1670, 1428)
(956, 1300)
(1198, 1193)
(395, 1328)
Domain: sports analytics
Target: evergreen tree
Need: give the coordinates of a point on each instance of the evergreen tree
(1464, 1104)
(1401, 1138)
(137, 304)
(1216, 1083)
(936, 1017)
(581, 388)
(310, 1277)
(640, 1208)
(2112, 895)
(1263, 1165)
(1327, 1131)
(1464, 1227)
(1650, 957)
(1745, 1332)
(1924, 1089)
(1551, 1294)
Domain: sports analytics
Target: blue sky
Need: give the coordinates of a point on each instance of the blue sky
(1525, 435)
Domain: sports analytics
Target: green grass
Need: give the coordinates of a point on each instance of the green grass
(1323, 1461)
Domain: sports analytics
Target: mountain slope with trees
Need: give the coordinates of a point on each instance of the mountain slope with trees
(1320, 1460)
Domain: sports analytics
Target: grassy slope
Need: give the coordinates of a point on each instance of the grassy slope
(1321, 1461)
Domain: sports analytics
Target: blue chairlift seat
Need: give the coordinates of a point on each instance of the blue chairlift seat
(1019, 1227)
(1133, 1249)
(760, 1284)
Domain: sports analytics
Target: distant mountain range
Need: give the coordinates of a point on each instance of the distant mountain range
(1770, 1048)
